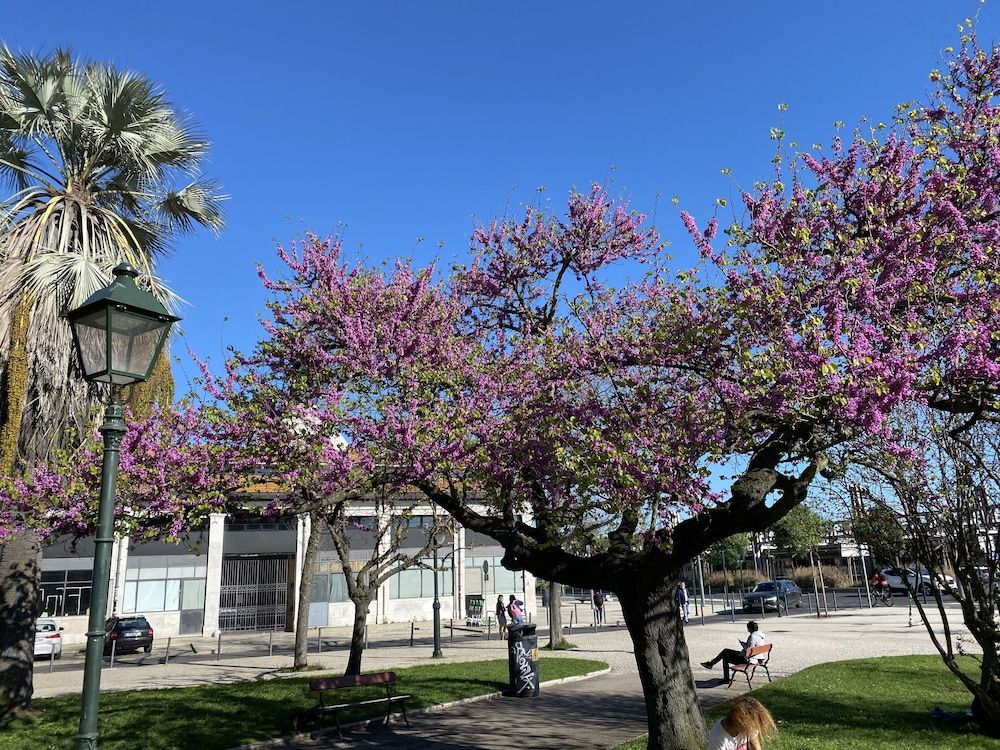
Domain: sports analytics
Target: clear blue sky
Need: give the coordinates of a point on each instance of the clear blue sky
(405, 120)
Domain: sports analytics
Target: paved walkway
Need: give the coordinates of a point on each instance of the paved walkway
(597, 713)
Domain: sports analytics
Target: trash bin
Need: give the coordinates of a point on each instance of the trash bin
(522, 660)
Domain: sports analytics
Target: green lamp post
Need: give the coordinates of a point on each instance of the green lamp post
(438, 540)
(118, 334)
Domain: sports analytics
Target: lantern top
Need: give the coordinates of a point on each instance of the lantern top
(123, 293)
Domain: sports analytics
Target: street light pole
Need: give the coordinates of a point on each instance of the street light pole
(437, 607)
(118, 334)
(113, 429)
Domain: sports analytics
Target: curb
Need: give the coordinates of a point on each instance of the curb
(280, 742)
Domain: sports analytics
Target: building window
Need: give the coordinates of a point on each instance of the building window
(418, 583)
(164, 584)
(498, 580)
(65, 593)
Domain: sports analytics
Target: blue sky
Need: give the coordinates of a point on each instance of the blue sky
(405, 120)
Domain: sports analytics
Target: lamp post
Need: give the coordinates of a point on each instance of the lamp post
(437, 540)
(118, 334)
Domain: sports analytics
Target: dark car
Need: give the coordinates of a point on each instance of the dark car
(128, 633)
(769, 592)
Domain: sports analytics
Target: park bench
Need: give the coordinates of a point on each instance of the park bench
(324, 685)
(750, 669)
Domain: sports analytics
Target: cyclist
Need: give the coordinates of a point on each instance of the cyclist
(880, 584)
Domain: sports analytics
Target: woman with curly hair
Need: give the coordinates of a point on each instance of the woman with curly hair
(746, 725)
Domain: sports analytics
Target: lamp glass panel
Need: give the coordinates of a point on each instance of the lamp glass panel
(90, 332)
(134, 342)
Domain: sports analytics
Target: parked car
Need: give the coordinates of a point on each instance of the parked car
(769, 592)
(128, 633)
(922, 582)
(48, 638)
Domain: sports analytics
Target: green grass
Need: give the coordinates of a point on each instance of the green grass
(215, 717)
(882, 703)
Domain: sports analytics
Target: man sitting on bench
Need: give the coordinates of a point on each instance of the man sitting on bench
(731, 656)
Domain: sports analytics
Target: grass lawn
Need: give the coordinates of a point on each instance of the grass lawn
(880, 703)
(215, 717)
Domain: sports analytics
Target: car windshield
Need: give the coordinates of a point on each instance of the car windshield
(133, 622)
(45, 627)
(766, 586)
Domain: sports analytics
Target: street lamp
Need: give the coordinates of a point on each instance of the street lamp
(437, 539)
(118, 333)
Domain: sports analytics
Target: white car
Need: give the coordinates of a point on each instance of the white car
(48, 638)
(923, 582)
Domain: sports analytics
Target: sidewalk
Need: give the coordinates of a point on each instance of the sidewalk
(596, 713)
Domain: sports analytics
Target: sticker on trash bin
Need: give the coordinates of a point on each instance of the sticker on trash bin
(534, 654)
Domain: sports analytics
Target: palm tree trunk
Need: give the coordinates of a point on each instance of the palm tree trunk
(19, 572)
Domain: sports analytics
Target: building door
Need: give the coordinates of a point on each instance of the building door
(254, 592)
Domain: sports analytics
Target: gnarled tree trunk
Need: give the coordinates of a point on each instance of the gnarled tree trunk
(661, 654)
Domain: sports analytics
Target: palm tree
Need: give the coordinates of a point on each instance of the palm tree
(102, 168)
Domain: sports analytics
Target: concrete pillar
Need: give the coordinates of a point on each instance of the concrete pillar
(302, 530)
(213, 573)
(119, 564)
(459, 572)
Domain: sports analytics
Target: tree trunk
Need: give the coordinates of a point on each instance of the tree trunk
(305, 595)
(555, 615)
(19, 570)
(653, 618)
(361, 606)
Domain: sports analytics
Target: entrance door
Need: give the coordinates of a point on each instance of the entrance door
(192, 606)
(254, 593)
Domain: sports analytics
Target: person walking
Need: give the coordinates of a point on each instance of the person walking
(501, 617)
(744, 727)
(682, 600)
(731, 656)
(598, 608)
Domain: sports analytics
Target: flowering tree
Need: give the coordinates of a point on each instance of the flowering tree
(535, 401)
(285, 412)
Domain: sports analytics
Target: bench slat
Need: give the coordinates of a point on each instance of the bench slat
(357, 680)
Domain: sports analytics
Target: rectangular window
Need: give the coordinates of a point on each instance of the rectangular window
(338, 588)
(128, 599)
(193, 594)
(149, 596)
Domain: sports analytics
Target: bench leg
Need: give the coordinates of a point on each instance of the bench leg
(340, 732)
(405, 717)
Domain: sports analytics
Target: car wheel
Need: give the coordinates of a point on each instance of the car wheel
(58, 655)
(148, 648)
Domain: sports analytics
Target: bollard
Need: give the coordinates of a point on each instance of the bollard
(319, 640)
(52, 658)
(489, 628)
(411, 635)
(835, 600)
(166, 657)
(451, 628)
(711, 599)
(366, 636)
(218, 652)
(860, 605)
(808, 606)
(732, 612)
(270, 643)
(114, 649)
(576, 615)
(763, 615)
(571, 619)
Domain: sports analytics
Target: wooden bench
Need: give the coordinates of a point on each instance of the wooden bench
(388, 679)
(750, 669)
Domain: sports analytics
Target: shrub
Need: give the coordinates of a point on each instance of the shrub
(736, 578)
(836, 578)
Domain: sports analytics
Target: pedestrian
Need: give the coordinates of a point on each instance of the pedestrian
(744, 727)
(598, 607)
(731, 656)
(501, 617)
(682, 600)
(515, 612)
(545, 597)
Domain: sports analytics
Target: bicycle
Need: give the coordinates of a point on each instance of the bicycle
(883, 595)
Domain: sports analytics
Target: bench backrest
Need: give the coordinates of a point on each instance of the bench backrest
(761, 651)
(355, 680)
